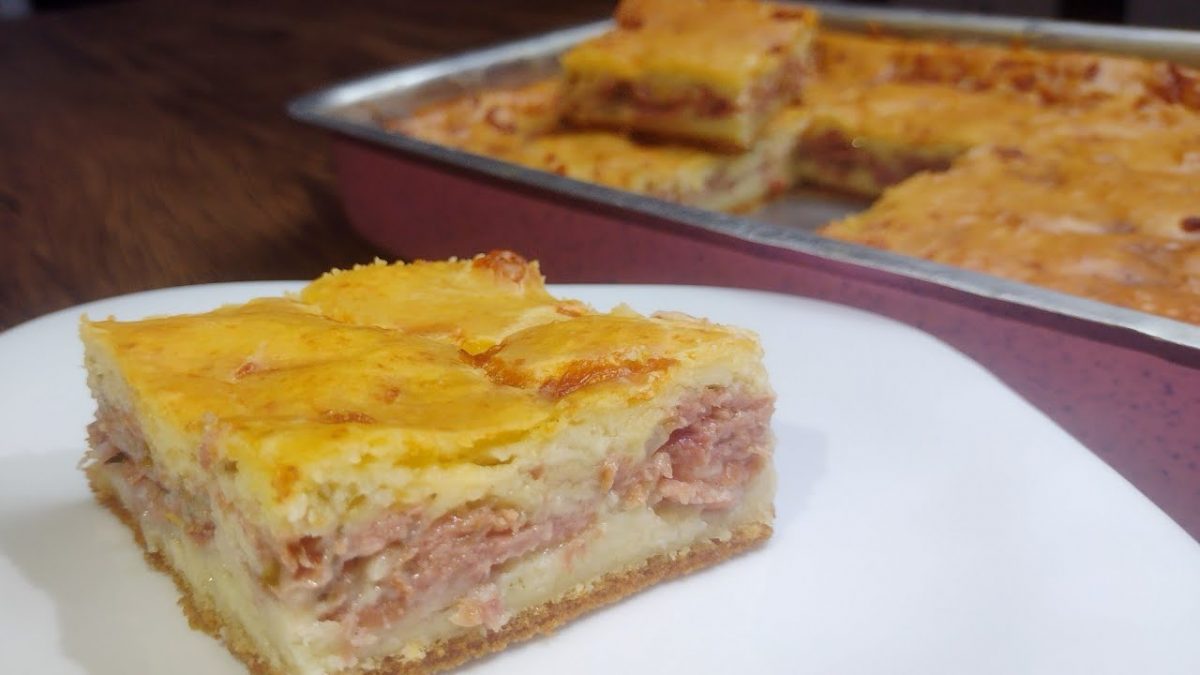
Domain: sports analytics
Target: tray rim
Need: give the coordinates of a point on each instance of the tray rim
(317, 108)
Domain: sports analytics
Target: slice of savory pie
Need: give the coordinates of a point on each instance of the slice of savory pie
(865, 138)
(407, 466)
(712, 71)
(520, 125)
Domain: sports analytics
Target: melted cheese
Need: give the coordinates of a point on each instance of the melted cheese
(1135, 135)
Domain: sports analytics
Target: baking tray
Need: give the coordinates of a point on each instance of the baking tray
(1123, 382)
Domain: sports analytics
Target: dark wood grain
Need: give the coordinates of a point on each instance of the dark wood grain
(144, 144)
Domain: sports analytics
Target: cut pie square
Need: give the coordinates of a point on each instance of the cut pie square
(865, 138)
(519, 125)
(404, 467)
(708, 71)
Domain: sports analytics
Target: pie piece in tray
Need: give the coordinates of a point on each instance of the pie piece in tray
(405, 467)
(520, 125)
(864, 138)
(1103, 230)
(707, 71)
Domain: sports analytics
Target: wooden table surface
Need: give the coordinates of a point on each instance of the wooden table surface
(145, 144)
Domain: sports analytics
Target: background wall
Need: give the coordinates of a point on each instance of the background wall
(1168, 13)
(1165, 13)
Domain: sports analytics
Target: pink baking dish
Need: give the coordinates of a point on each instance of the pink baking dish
(1125, 383)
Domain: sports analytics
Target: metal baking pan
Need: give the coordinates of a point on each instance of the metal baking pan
(1123, 382)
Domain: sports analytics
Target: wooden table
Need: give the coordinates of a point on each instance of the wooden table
(145, 144)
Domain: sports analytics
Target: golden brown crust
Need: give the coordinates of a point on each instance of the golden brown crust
(1053, 77)
(540, 620)
(1087, 227)
(287, 392)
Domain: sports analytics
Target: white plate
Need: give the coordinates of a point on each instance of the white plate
(929, 521)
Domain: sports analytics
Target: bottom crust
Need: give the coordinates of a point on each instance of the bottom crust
(540, 620)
